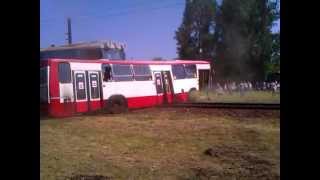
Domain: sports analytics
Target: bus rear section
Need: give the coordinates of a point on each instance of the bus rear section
(73, 88)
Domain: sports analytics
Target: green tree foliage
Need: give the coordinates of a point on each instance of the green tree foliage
(273, 66)
(197, 30)
(246, 45)
(236, 35)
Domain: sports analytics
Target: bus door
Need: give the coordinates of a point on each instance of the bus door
(159, 87)
(164, 87)
(87, 90)
(80, 91)
(94, 84)
(167, 87)
(203, 79)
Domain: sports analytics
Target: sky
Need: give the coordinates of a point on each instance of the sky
(147, 27)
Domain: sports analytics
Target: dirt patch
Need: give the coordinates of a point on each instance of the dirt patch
(239, 113)
(163, 143)
(89, 177)
(239, 161)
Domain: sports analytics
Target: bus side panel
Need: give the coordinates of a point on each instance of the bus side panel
(137, 93)
(95, 105)
(182, 88)
(82, 106)
(159, 99)
(184, 85)
(181, 97)
(139, 102)
(56, 109)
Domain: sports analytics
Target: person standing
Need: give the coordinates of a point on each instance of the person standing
(241, 89)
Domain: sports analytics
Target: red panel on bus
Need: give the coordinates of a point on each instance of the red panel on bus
(95, 105)
(169, 98)
(58, 109)
(160, 99)
(145, 101)
(181, 97)
(82, 106)
(54, 82)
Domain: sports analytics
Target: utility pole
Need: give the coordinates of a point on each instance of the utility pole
(199, 39)
(69, 33)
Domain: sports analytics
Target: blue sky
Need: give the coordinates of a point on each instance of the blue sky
(147, 27)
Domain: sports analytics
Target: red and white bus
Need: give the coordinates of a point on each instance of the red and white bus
(71, 86)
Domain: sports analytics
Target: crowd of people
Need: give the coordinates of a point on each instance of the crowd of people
(244, 86)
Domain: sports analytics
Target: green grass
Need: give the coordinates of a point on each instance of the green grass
(162, 144)
(248, 97)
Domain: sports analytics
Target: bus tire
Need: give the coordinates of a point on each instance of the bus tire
(117, 104)
(191, 94)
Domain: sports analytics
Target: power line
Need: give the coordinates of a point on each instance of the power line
(124, 12)
(130, 7)
(132, 12)
(136, 9)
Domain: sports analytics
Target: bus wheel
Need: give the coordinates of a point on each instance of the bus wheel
(117, 105)
(192, 95)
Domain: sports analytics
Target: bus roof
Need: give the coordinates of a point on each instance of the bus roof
(162, 62)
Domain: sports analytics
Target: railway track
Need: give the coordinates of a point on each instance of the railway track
(271, 106)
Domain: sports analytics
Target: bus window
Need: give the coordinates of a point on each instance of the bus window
(142, 73)
(122, 72)
(191, 70)
(106, 72)
(178, 71)
(64, 73)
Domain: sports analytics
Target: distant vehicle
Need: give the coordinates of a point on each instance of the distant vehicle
(86, 51)
(71, 86)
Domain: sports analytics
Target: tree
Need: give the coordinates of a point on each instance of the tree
(273, 66)
(195, 36)
(236, 35)
(244, 43)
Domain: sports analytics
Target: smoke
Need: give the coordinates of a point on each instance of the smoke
(237, 53)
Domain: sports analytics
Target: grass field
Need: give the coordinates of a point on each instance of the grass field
(163, 143)
(249, 97)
